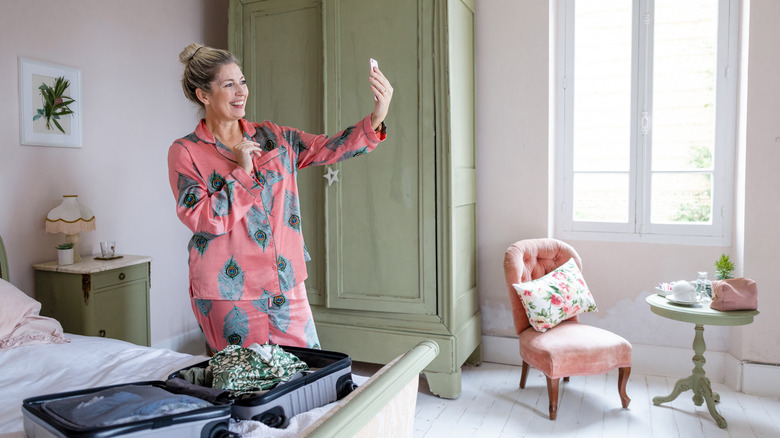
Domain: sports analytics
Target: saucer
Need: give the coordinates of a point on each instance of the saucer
(683, 302)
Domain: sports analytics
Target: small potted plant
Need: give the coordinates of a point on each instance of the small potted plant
(65, 254)
(724, 268)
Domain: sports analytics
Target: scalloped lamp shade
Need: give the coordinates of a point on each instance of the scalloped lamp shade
(71, 218)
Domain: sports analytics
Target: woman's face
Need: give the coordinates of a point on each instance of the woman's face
(227, 98)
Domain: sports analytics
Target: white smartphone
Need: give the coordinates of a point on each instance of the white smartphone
(372, 64)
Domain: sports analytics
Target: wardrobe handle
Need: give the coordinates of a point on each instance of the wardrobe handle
(121, 275)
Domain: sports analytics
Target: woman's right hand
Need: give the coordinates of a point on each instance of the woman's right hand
(244, 152)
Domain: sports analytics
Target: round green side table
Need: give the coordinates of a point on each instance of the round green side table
(700, 315)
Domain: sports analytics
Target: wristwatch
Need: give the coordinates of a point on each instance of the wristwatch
(382, 130)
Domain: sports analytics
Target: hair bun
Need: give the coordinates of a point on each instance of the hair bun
(188, 53)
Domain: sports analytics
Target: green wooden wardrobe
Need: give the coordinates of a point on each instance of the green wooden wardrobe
(394, 240)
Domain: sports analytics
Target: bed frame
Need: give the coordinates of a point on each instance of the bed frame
(384, 406)
(3, 261)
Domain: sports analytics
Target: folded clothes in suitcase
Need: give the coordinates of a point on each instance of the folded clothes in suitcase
(328, 379)
(142, 409)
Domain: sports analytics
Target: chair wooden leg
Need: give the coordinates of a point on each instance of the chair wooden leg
(623, 374)
(523, 375)
(552, 394)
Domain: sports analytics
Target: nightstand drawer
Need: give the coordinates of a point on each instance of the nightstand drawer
(119, 276)
(97, 297)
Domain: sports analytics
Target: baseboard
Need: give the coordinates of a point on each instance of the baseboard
(721, 367)
(760, 379)
(191, 342)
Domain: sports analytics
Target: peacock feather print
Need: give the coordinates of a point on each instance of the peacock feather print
(200, 241)
(284, 157)
(265, 138)
(230, 281)
(216, 182)
(337, 141)
(286, 275)
(312, 340)
(276, 307)
(292, 211)
(204, 306)
(269, 178)
(236, 327)
(351, 154)
(258, 227)
(189, 191)
(222, 200)
(345, 156)
(293, 138)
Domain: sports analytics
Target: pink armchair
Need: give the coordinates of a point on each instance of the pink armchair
(570, 348)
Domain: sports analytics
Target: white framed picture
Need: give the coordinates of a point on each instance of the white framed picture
(49, 104)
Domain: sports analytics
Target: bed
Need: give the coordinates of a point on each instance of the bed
(37, 358)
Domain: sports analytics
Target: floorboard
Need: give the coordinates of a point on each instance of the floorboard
(492, 405)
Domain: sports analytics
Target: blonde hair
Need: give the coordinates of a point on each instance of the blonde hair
(201, 64)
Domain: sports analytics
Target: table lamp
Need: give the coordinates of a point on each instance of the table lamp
(71, 218)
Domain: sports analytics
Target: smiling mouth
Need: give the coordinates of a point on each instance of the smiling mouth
(239, 104)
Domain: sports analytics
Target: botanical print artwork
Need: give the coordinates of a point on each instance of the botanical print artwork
(54, 104)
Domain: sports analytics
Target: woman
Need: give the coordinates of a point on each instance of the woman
(236, 189)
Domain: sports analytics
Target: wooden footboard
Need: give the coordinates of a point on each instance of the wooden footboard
(384, 406)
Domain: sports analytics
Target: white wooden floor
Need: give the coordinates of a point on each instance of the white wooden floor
(493, 405)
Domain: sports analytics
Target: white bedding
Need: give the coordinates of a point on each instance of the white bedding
(88, 362)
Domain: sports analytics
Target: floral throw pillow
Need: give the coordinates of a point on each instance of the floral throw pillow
(555, 297)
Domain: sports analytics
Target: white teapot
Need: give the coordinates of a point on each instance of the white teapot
(684, 291)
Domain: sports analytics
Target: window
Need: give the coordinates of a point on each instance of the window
(645, 120)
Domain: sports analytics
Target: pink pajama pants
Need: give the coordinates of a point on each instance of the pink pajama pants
(284, 319)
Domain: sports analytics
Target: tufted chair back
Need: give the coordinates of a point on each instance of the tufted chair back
(528, 260)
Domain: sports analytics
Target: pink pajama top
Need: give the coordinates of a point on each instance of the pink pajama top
(247, 236)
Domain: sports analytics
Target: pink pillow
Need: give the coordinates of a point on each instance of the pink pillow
(556, 297)
(21, 323)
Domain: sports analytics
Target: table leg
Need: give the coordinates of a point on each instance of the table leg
(697, 381)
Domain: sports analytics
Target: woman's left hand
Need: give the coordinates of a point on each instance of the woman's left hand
(383, 92)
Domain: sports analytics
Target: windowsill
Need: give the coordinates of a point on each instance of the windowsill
(666, 239)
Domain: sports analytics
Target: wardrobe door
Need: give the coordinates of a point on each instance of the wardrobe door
(380, 216)
(280, 45)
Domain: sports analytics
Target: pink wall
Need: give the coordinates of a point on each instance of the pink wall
(760, 341)
(133, 108)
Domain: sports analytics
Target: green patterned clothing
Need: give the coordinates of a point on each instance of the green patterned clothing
(260, 367)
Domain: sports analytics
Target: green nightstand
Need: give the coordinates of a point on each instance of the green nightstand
(108, 298)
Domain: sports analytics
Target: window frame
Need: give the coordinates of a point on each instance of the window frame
(639, 228)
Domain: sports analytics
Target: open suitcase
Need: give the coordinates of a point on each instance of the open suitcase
(59, 415)
(329, 379)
